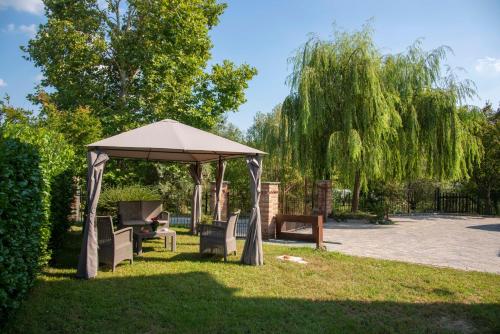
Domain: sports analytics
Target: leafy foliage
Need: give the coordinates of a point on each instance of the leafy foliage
(438, 137)
(61, 191)
(10, 114)
(134, 62)
(337, 116)
(394, 117)
(486, 176)
(21, 221)
(269, 134)
(112, 195)
(55, 156)
(79, 128)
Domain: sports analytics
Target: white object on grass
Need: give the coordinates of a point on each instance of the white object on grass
(290, 258)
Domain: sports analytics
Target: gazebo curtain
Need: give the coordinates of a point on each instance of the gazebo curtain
(88, 261)
(195, 171)
(252, 252)
(219, 178)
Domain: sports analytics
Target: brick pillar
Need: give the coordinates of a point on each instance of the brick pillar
(223, 200)
(268, 208)
(323, 200)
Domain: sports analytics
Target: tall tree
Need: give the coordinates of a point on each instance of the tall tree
(363, 116)
(486, 176)
(337, 115)
(133, 62)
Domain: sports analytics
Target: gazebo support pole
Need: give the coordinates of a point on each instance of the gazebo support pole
(88, 261)
(219, 178)
(195, 171)
(252, 251)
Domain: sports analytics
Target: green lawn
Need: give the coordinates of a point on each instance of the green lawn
(183, 292)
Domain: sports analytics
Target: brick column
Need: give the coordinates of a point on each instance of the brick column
(323, 200)
(223, 199)
(268, 208)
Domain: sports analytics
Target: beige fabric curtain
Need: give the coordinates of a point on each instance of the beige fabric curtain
(195, 171)
(88, 261)
(219, 179)
(252, 252)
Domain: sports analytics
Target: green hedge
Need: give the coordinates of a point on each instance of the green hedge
(32, 160)
(110, 197)
(21, 219)
(62, 191)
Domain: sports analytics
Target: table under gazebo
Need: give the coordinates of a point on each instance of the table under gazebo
(169, 140)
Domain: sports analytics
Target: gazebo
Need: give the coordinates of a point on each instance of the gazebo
(169, 140)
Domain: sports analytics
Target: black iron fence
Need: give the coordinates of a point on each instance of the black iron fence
(297, 200)
(455, 202)
(415, 201)
(185, 221)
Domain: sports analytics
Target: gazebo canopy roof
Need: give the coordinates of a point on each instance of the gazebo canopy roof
(169, 140)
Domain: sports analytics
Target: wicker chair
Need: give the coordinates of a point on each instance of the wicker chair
(114, 246)
(220, 237)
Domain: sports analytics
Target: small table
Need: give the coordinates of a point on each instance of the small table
(141, 235)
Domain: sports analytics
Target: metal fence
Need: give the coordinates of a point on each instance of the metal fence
(411, 201)
(185, 221)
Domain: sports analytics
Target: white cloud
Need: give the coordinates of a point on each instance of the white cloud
(29, 30)
(30, 6)
(488, 65)
(2, 83)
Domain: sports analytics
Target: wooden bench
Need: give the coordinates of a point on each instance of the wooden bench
(316, 223)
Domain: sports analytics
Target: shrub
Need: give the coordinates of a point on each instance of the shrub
(31, 158)
(55, 156)
(21, 221)
(112, 195)
(61, 190)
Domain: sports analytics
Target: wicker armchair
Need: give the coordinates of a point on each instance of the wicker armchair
(114, 246)
(220, 237)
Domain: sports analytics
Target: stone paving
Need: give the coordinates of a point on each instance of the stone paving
(463, 242)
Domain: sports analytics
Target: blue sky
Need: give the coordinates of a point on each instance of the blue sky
(265, 33)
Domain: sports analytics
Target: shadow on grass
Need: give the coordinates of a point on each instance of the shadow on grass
(197, 302)
(194, 302)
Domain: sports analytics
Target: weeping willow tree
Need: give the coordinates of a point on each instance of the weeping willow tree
(439, 135)
(337, 116)
(362, 116)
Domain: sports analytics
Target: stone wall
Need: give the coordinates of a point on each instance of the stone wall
(323, 200)
(268, 208)
(223, 200)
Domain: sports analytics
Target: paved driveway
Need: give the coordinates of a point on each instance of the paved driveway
(471, 243)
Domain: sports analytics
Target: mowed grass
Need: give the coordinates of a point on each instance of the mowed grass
(164, 292)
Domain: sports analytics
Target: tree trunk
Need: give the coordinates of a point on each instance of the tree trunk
(356, 191)
(489, 206)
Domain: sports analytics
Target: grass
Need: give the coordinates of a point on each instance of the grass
(186, 293)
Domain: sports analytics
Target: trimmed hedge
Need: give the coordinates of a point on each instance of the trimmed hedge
(21, 219)
(32, 160)
(110, 197)
(61, 190)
